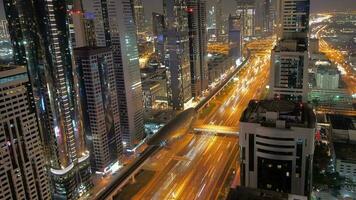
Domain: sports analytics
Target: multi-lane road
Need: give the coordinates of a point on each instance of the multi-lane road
(197, 165)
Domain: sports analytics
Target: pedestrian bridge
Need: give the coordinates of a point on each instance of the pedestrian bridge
(217, 129)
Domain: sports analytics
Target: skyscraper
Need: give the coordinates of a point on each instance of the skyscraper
(277, 146)
(219, 19)
(139, 15)
(295, 18)
(289, 59)
(35, 29)
(76, 24)
(158, 27)
(262, 16)
(115, 28)
(198, 46)
(247, 10)
(289, 71)
(23, 172)
(235, 37)
(101, 117)
(177, 53)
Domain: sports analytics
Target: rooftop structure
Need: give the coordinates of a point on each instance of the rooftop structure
(294, 114)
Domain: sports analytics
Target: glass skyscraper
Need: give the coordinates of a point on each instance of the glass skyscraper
(41, 40)
(115, 28)
(177, 60)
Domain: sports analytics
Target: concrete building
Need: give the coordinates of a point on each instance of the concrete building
(153, 94)
(289, 59)
(23, 173)
(344, 139)
(217, 65)
(177, 60)
(289, 71)
(115, 28)
(101, 116)
(198, 46)
(295, 18)
(47, 54)
(313, 46)
(327, 78)
(277, 145)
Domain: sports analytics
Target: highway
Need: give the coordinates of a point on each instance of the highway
(337, 57)
(197, 165)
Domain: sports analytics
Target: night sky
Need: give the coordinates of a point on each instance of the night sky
(316, 5)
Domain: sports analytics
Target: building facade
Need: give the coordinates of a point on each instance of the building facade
(101, 117)
(198, 46)
(235, 37)
(247, 10)
(277, 145)
(158, 27)
(295, 18)
(289, 72)
(139, 15)
(23, 173)
(115, 28)
(290, 58)
(34, 31)
(177, 59)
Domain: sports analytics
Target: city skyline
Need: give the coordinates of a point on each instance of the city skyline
(316, 6)
(177, 99)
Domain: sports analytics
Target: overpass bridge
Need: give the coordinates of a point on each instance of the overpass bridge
(217, 129)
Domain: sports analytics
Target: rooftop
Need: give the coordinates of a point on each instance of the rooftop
(294, 114)
(345, 151)
(10, 73)
(291, 45)
(342, 122)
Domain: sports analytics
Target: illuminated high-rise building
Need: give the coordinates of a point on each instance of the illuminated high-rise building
(290, 61)
(235, 37)
(219, 22)
(139, 15)
(40, 34)
(247, 10)
(23, 173)
(177, 59)
(198, 46)
(262, 18)
(115, 28)
(101, 117)
(76, 23)
(295, 18)
(158, 28)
